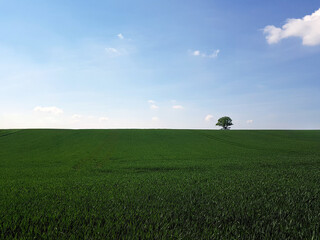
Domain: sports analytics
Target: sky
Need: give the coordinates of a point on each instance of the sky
(160, 64)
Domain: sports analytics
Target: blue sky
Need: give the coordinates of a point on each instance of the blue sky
(159, 64)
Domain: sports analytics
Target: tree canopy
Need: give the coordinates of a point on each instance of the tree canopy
(225, 122)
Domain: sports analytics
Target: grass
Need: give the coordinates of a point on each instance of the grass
(159, 184)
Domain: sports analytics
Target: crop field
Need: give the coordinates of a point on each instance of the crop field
(159, 184)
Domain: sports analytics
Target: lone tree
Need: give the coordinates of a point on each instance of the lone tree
(225, 123)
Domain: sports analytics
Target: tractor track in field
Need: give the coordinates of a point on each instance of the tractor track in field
(9, 133)
(231, 142)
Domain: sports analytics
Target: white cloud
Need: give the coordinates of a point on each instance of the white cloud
(151, 101)
(208, 118)
(214, 54)
(51, 110)
(153, 106)
(307, 28)
(273, 34)
(177, 107)
(120, 36)
(249, 121)
(196, 53)
(103, 119)
(155, 119)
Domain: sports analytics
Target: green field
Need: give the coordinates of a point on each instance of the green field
(159, 184)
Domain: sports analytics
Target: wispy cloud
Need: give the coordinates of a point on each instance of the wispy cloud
(114, 52)
(307, 28)
(177, 107)
(213, 54)
(208, 118)
(76, 116)
(51, 110)
(155, 119)
(152, 104)
(120, 36)
(249, 121)
(103, 119)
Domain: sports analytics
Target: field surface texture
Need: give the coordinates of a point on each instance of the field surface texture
(159, 184)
